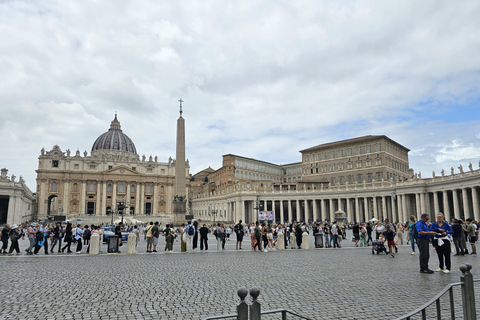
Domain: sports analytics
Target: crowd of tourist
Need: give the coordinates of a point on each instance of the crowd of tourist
(263, 236)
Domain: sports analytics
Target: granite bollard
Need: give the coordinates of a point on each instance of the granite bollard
(280, 241)
(94, 244)
(305, 243)
(131, 243)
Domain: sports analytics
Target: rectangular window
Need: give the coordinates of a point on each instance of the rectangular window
(92, 167)
(340, 153)
(55, 163)
(76, 166)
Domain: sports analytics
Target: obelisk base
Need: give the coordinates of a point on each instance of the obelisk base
(179, 212)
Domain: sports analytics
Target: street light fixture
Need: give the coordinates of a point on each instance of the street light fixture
(214, 213)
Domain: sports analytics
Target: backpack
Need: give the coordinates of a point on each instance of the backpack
(87, 234)
(191, 231)
(39, 236)
(414, 231)
(236, 228)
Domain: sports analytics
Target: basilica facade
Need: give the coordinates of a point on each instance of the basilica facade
(112, 179)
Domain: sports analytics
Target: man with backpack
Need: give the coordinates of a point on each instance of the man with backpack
(155, 235)
(57, 235)
(190, 232)
(238, 229)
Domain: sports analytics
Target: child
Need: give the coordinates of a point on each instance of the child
(390, 237)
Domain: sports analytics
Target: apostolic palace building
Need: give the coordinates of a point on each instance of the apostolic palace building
(112, 177)
(366, 177)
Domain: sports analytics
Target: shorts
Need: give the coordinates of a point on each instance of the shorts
(270, 236)
(473, 240)
(391, 243)
(239, 237)
(357, 236)
(149, 240)
(155, 241)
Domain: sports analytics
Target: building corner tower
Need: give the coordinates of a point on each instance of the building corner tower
(180, 199)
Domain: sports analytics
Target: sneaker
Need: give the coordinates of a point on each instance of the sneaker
(413, 253)
(439, 270)
(392, 255)
(474, 254)
(152, 251)
(78, 252)
(265, 250)
(446, 271)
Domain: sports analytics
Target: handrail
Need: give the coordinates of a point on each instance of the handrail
(285, 311)
(430, 302)
(289, 311)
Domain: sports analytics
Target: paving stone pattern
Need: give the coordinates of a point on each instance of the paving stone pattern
(346, 283)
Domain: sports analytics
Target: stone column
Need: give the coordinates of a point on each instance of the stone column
(155, 199)
(357, 209)
(290, 216)
(456, 205)
(384, 208)
(42, 199)
(349, 211)
(315, 210)
(423, 203)
(82, 197)
(476, 209)
(404, 208)
(332, 211)
(395, 217)
(401, 217)
(446, 207)
(104, 198)
(466, 206)
(265, 205)
(375, 208)
(282, 216)
(323, 206)
(436, 206)
(98, 203)
(298, 214)
(417, 205)
(114, 197)
(307, 212)
(137, 198)
(66, 183)
(11, 214)
(142, 199)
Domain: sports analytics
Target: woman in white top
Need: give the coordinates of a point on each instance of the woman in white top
(379, 229)
(78, 236)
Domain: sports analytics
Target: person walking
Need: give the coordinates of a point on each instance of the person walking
(195, 237)
(57, 236)
(423, 241)
(15, 235)
(399, 234)
(363, 236)
(334, 233)
(411, 228)
(472, 235)
(356, 233)
(369, 233)
(189, 231)
(155, 235)
(457, 237)
(441, 243)
(42, 236)
(5, 236)
(68, 238)
(219, 236)
(167, 232)
(183, 243)
(149, 237)
(204, 237)
(79, 237)
(238, 229)
(31, 232)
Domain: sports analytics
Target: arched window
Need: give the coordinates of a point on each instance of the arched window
(54, 187)
(91, 187)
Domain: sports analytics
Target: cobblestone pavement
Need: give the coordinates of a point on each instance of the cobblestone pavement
(346, 283)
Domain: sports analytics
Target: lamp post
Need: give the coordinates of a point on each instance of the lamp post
(257, 207)
(214, 213)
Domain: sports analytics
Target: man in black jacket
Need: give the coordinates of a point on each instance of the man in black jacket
(203, 237)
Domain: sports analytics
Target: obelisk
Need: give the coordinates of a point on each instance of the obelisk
(180, 199)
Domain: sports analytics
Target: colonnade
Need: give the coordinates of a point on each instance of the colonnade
(457, 198)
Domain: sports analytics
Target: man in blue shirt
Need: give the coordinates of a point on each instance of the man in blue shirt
(190, 233)
(423, 240)
(442, 243)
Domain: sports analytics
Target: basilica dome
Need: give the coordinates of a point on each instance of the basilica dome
(114, 140)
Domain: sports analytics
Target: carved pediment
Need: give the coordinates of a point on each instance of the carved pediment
(121, 170)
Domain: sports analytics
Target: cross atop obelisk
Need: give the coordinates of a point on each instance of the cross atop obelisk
(180, 106)
(180, 199)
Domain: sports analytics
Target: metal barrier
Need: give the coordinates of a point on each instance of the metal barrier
(255, 309)
(467, 289)
(468, 298)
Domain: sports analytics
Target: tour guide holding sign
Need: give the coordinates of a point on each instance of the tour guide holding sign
(423, 241)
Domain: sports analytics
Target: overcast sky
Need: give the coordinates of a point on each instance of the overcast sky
(261, 79)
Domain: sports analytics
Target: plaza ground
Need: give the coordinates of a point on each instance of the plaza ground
(346, 283)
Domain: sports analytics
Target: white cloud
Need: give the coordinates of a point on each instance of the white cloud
(259, 79)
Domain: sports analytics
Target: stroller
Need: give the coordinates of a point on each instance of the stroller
(378, 246)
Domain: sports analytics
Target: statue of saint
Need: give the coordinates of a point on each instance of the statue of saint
(419, 175)
(443, 173)
(13, 178)
(143, 158)
(43, 152)
(461, 169)
(470, 167)
(68, 152)
(452, 170)
(85, 154)
(433, 174)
